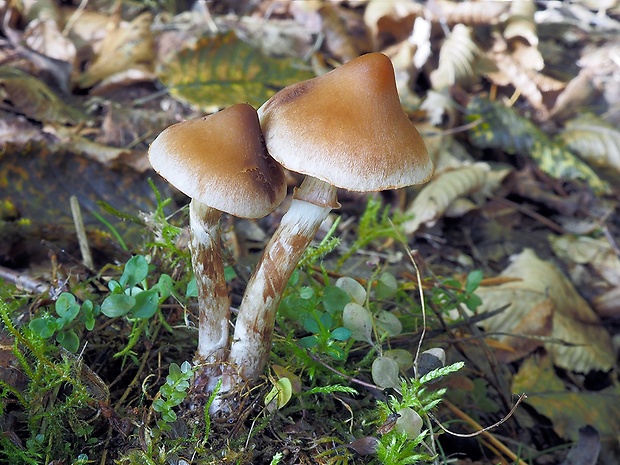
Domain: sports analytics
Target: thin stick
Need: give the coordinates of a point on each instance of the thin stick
(422, 303)
(87, 258)
(482, 431)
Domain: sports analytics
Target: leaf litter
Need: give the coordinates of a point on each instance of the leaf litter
(508, 81)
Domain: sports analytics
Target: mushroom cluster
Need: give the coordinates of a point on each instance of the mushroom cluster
(345, 129)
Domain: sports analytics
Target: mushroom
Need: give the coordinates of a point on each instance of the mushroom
(344, 129)
(221, 163)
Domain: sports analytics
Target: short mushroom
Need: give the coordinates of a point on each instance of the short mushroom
(345, 129)
(221, 163)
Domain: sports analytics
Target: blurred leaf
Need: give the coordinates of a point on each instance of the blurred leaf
(520, 22)
(470, 13)
(504, 129)
(128, 46)
(33, 98)
(544, 302)
(456, 59)
(568, 411)
(593, 139)
(224, 70)
(436, 196)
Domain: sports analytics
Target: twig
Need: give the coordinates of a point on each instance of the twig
(482, 431)
(87, 258)
(26, 282)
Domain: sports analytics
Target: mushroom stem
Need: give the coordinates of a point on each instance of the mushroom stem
(251, 345)
(213, 304)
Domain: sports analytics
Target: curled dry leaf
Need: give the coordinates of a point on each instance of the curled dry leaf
(391, 20)
(594, 140)
(517, 74)
(129, 46)
(436, 196)
(577, 342)
(598, 256)
(520, 22)
(456, 59)
(467, 12)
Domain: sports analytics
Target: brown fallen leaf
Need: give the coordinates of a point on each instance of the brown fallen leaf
(568, 410)
(436, 196)
(128, 46)
(577, 342)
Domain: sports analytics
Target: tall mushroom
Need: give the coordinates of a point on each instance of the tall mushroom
(345, 129)
(221, 163)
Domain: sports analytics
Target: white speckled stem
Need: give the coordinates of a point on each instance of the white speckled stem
(251, 344)
(213, 304)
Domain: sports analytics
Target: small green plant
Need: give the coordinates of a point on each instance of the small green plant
(320, 313)
(173, 391)
(55, 414)
(451, 293)
(375, 223)
(69, 314)
(129, 297)
(408, 442)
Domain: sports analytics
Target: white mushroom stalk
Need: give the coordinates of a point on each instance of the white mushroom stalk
(213, 304)
(345, 129)
(251, 345)
(221, 163)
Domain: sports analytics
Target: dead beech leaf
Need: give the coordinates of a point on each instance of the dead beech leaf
(528, 333)
(594, 140)
(345, 34)
(584, 250)
(567, 410)
(467, 12)
(391, 20)
(520, 22)
(436, 196)
(599, 258)
(456, 59)
(587, 345)
(517, 74)
(33, 98)
(579, 91)
(128, 46)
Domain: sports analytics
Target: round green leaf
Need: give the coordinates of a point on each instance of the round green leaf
(146, 304)
(356, 291)
(117, 305)
(136, 271)
(43, 326)
(69, 340)
(341, 334)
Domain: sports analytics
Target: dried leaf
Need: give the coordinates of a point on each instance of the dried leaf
(585, 250)
(601, 262)
(504, 129)
(456, 59)
(436, 196)
(593, 139)
(517, 74)
(577, 93)
(567, 410)
(128, 46)
(46, 38)
(222, 71)
(467, 12)
(392, 20)
(345, 34)
(33, 98)
(586, 344)
(520, 22)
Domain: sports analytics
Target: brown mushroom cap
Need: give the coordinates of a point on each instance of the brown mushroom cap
(347, 128)
(221, 161)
